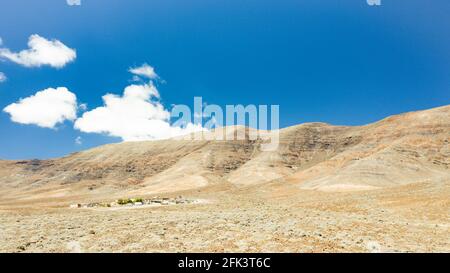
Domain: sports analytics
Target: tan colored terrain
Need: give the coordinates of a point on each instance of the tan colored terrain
(380, 187)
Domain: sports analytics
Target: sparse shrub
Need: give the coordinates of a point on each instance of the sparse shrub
(124, 201)
(129, 201)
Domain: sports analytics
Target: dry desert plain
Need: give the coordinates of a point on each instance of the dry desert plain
(382, 187)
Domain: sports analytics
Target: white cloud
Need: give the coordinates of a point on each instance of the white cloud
(136, 79)
(83, 106)
(78, 140)
(45, 109)
(2, 77)
(41, 52)
(73, 2)
(136, 115)
(144, 70)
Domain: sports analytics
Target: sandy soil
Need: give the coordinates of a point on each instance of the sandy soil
(274, 218)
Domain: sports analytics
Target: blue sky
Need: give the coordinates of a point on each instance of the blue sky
(341, 62)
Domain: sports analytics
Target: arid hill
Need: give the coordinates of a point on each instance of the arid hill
(380, 187)
(402, 149)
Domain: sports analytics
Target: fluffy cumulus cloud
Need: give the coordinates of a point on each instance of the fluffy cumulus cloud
(46, 108)
(2, 77)
(73, 2)
(41, 52)
(134, 116)
(144, 70)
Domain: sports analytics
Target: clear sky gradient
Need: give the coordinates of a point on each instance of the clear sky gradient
(341, 62)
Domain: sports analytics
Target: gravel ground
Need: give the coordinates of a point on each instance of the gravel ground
(265, 219)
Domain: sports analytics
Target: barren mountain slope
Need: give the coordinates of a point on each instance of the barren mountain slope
(379, 187)
(402, 149)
